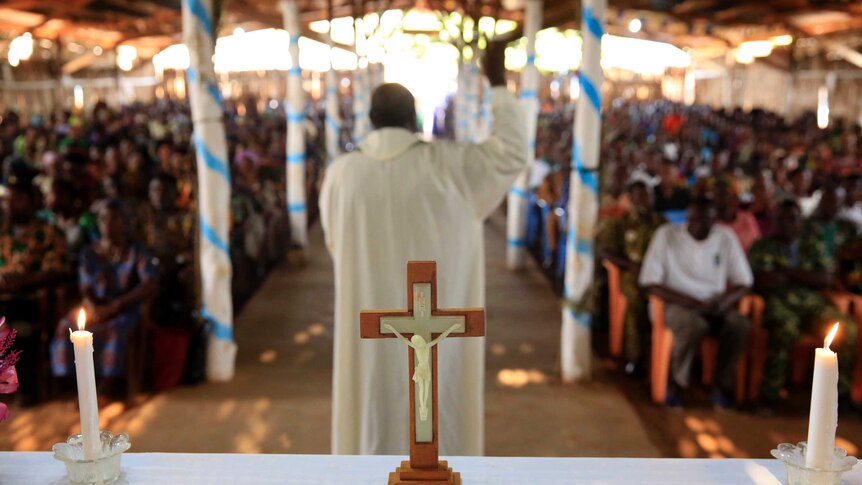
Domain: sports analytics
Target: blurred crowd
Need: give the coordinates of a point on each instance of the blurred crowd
(100, 213)
(703, 208)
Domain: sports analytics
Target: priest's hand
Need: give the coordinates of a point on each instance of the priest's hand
(494, 63)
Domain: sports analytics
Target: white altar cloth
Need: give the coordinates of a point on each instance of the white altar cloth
(212, 469)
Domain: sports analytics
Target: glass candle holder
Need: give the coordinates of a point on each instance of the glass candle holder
(102, 470)
(796, 473)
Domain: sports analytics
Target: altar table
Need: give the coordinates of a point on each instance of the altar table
(211, 469)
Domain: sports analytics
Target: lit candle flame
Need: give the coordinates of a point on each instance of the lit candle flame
(828, 341)
(82, 319)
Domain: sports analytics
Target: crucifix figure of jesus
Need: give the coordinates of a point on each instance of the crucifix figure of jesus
(422, 372)
(423, 326)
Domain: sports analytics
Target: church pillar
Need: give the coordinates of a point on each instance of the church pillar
(516, 224)
(361, 86)
(213, 186)
(333, 119)
(584, 198)
(294, 108)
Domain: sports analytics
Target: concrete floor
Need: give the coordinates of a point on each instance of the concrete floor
(279, 401)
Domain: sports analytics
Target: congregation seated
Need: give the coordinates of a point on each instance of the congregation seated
(116, 275)
(671, 194)
(691, 266)
(32, 255)
(623, 240)
(170, 236)
(791, 269)
(762, 203)
(730, 215)
(826, 227)
(851, 207)
(142, 156)
(64, 211)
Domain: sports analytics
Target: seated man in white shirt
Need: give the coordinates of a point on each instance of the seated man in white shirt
(691, 266)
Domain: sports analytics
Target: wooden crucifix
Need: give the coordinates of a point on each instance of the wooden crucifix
(422, 327)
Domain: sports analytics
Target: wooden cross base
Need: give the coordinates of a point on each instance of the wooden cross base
(442, 475)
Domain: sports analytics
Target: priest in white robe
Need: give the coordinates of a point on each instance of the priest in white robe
(395, 199)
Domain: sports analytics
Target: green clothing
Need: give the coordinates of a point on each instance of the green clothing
(78, 233)
(792, 309)
(33, 248)
(833, 234)
(629, 236)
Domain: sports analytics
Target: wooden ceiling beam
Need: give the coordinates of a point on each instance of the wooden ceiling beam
(849, 54)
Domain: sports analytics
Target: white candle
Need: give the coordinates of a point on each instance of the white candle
(823, 418)
(86, 376)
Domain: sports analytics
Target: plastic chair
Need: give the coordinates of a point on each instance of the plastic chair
(617, 304)
(662, 346)
(801, 361)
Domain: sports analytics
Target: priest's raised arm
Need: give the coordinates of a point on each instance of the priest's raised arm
(483, 172)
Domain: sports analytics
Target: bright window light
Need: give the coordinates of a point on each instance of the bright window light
(756, 48)
(743, 57)
(259, 50)
(644, 57)
(782, 40)
(635, 26)
(126, 55)
(823, 107)
(20, 49)
(78, 93)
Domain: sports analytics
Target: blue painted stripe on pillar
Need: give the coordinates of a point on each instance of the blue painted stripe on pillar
(584, 246)
(582, 319)
(198, 10)
(221, 330)
(211, 161)
(587, 177)
(294, 39)
(528, 94)
(531, 59)
(296, 207)
(295, 117)
(295, 158)
(331, 123)
(295, 71)
(209, 234)
(594, 25)
(212, 88)
(517, 243)
(592, 92)
(518, 191)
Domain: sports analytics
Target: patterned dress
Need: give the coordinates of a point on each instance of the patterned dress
(792, 309)
(106, 280)
(36, 247)
(629, 236)
(833, 234)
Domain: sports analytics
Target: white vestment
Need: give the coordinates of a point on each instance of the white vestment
(398, 199)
